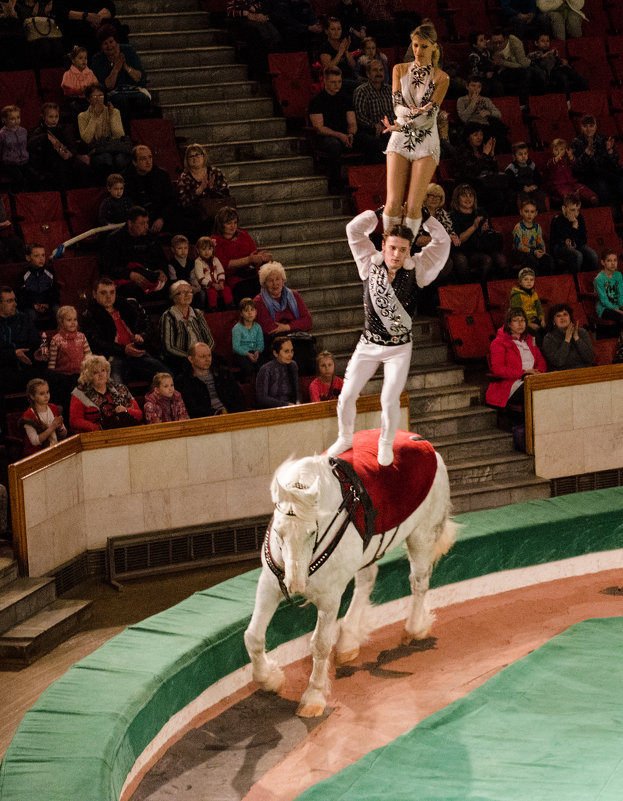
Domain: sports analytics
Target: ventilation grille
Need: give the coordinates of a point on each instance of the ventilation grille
(586, 481)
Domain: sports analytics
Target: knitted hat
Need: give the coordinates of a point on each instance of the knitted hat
(525, 271)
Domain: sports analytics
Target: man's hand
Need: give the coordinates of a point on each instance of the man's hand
(280, 327)
(132, 352)
(137, 278)
(157, 225)
(22, 355)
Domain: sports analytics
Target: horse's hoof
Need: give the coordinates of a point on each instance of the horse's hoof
(407, 638)
(310, 710)
(343, 657)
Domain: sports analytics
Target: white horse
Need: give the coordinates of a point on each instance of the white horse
(313, 548)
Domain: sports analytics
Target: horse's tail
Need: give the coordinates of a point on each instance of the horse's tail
(446, 540)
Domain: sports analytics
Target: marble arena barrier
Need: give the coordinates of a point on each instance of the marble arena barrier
(94, 733)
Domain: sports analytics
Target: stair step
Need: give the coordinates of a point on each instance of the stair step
(256, 149)
(8, 570)
(167, 94)
(442, 399)
(459, 421)
(213, 132)
(476, 472)
(294, 231)
(178, 40)
(252, 214)
(324, 298)
(494, 494)
(146, 6)
(24, 643)
(422, 378)
(343, 341)
(217, 111)
(23, 598)
(265, 170)
(323, 272)
(461, 447)
(192, 76)
(182, 20)
(195, 57)
(292, 189)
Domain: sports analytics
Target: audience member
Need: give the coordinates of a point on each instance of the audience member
(206, 387)
(525, 178)
(567, 238)
(118, 67)
(43, 46)
(19, 341)
(558, 75)
(164, 403)
(238, 254)
(368, 53)
(513, 67)
(565, 16)
(79, 20)
(334, 54)
(608, 285)
(475, 164)
(567, 345)
(253, 25)
(150, 187)
(523, 16)
(54, 153)
(14, 157)
(99, 402)
(597, 165)
(68, 347)
(524, 296)
(513, 356)
(475, 108)
(101, 128)
(181, 268)
(479, 256)
(11, 246)
(481, 64)
(39, 292)
(133, 256)
(201, 191)
(297, 23)
(181, 326)
(373, 102)
(277, 383)
(247, 339)
(326, 385)
(333, 118)
(559, 177)
(116, 206)
(351, 17)
(528, 242)
(211, 276)
(434, 206)
(42, 423)
(79, 75)
(116, 329)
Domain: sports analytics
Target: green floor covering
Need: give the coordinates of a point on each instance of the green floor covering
(81, 738)
(547, 728)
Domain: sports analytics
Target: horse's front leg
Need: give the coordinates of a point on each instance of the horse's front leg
(266, 671)
(314, 698)
(353, 628)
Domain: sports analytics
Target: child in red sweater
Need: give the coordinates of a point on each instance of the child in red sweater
(69, 346)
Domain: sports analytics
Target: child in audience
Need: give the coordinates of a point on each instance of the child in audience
(53, 153)
(68, 347)
(559, 76)
(609, 288)
(41, 422)
(368, 52)
(182, 269)
(79, 75)
(567, 238)
(39, 291)
(277, 382)
(525, 297)
(528, 242)
(14, 157)
(115, 206)
(559, 177)
(525, 179)
(164, 403)
(326, 386)
(211, 275)
(247, 339)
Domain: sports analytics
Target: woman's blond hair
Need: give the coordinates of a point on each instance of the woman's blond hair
(436, 189)
(269, 268)
(89, 366)
(426, 30)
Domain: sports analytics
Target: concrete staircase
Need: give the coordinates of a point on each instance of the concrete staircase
(193, 76)
(33, 620)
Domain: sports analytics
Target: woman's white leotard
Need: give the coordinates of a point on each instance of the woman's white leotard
(418, 136)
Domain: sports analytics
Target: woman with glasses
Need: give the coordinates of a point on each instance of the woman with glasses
(181, 326)
(201, 189)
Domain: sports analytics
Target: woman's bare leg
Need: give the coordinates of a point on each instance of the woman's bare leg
(422, 171)
(398, 170)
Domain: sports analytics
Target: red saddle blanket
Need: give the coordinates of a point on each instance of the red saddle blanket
(396, 491)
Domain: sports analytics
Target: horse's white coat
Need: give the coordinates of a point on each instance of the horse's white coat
(306, 495)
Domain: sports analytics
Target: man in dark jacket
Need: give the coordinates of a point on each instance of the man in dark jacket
(149, 187)
(116, 329)
(207, 388)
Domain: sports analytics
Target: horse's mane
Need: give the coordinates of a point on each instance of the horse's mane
(296, 483)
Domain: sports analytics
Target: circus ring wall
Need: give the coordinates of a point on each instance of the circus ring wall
(95, 732)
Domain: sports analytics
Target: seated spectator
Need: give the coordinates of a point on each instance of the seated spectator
(475, 164)
(181, 326)
(523, 16)
(54, 154)
(101, 128)
(201, 191)
(369, 53)
(597, 165)
(79, 20)
(19, 341)
(559, 177)
(565, 17)
(524, 177)
(277, 383)
(524, 296)
(513, 67)
(434, 200)
(43, 46)
(513, 356)
(116, 329)
(479, 256)
(211, 276)
(481, 64)
(253, 25)
(247, 339)
(529, 243)
(476, 108)
(79, 75)
(567, 345)
(567, 238)
(296, 22)
(182, 269)
(39, 290)
(334, 54)
(326, 385)
(164, 403)
(150, 187)
(42, 422)
(558, 75)
(118, 67)
(373, 102)
(98, 402)
(351, 17)
(68, 347)
(333, 118)
(238, 254)
(116, 206)
(608, 285)
(134, 258)
(206, 387)
(14, 157)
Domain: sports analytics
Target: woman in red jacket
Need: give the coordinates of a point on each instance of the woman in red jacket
(513, 356)
(97, 402)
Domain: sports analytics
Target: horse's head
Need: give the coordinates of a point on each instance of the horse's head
(295, 523)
